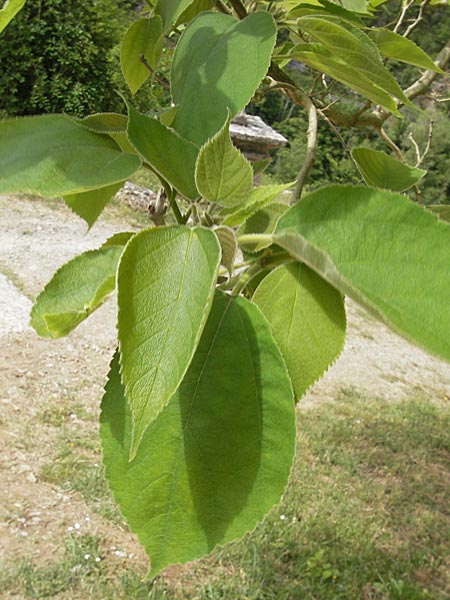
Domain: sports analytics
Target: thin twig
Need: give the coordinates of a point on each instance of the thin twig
(416, 148)
(239, 8)
(405, 7)
(392, 145)
(421, 157)
(417, 19)
(311, 147)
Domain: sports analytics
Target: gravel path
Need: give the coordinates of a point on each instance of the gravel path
(36, 237)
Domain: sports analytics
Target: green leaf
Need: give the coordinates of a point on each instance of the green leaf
(326, 8)
(55, 156)
(75, 291)
(196, 7)
(171, 156)
(9, 11)
(118, 239)
(209, 76)
(165, 288)
(393, 45)
(307, 318)
(228, 245)
(320, 58)
(142, 41)
(89, 205)
(258, 198)
(219, 455)
(354, 51)
(262, 221)
(440, 210)
(385, 252)
(381, 170)
(259, 166)
(171, 10)
(106, 122)
(222, 173)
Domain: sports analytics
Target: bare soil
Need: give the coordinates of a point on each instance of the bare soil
(36, 237)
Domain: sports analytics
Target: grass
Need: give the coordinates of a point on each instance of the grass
(365, 516)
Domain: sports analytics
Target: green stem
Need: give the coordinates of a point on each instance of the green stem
(255, 238)
(245, 278)
(174, 206)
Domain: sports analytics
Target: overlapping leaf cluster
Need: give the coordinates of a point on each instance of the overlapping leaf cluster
(227, 317)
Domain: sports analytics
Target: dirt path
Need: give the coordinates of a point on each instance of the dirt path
(38, 375)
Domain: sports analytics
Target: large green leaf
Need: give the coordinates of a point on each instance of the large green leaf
(307, 318)
(55, 156)
(89, 205)
(9, 11)
(76, 290)
(393, 45)
(381, 170)
(143, 40)
(209, 76)
(387, 253)
(353, 49)
(171, 10)
(258, 198)
(166, 282)
(166, 152)
(222, 173)
(219, 455)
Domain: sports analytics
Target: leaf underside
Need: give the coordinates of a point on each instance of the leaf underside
(385, 252)
(75, 291)
(166, 283)
(222, 173)
(218, 456)
(54, 155)
(307, 318)
(381, 170)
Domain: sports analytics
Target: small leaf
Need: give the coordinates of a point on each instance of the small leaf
(381, 170)
(385, 252)
(393, 45)
(208, 75)
(89, 205)
(166, 152)
(222, 173)
(317, 7)
(259, 166)
(307, 318)
(318, 57)
(75, 291)
(259, 198)
(142, 41)
(229, 246)
(165, 288)
(218, 457)
(106, 122)
(440, 210)
(53, 155)
(171, 10)
(118, 239)
(9, 11)
(262, 221)
(196, 7)
(353, 49)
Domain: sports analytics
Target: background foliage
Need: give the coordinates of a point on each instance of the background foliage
(63, 56)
